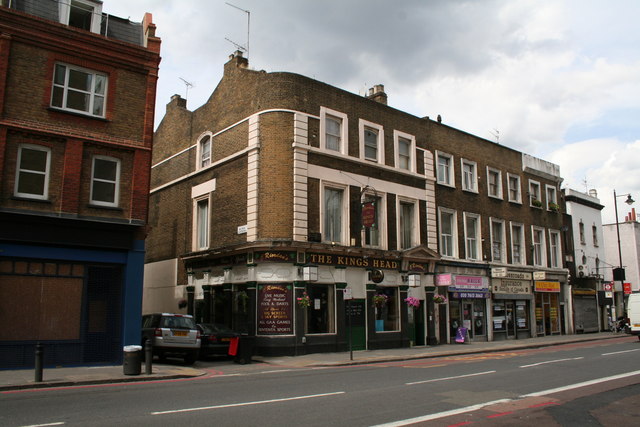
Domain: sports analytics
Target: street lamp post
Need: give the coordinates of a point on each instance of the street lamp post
(629, 201)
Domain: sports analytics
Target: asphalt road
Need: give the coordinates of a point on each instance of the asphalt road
(592, 383)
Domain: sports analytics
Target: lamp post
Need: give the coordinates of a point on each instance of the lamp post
(629, 201)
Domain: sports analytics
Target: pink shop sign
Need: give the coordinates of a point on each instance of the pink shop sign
(444, 279)
(470, 282)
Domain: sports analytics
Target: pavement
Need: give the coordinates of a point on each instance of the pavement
(11, 380)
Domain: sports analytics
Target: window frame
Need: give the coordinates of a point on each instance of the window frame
(330, 307)
(415, 222)
(518, 189)
(116, 183)
(498, 173)
(200, 152)
(381, 223)
(466, 186)
(503, 240)
(521, 245)
(551, 193)
(46, 173)
(454, 232)
(327, 113)
(535, 184)
(64, 10)
(397, 136)
(363, 126)
(594, 235)
(344, 213)
(555, 258)
(542, 245)
(391, 307)
(583, 240)
(476, 240)
(197, 229)
(450, 179)
(92, 92)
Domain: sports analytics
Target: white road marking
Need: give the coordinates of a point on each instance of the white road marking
(44, 425)
(550, 361)
(450, 378)
(482, 405)
(259, 402)
(618, 352)
(275, 371)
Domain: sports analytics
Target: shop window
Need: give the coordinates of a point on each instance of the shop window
(522, 316)
(388, 314)
(105, 181)
(32, 172)
(320, 314)
(547, 313)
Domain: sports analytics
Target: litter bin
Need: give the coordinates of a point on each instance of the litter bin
(132, 364)
(245, 349)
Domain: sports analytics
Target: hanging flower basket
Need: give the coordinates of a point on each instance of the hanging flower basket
(380, 300)
(412, 302)
(304, 301)
(439, 299)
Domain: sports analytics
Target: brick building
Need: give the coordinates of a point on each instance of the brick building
(77, 95)
(303, 215)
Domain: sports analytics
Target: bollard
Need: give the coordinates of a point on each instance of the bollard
(148, 357)
(39, 358)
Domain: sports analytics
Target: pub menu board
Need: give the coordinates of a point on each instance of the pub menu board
(275, 313)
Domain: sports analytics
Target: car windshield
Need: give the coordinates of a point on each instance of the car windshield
(178, 323)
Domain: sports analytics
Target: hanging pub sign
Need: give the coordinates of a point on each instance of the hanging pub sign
(369, 214)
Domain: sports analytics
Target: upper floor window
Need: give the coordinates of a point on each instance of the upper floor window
(202, 223)
(554, 247)
(552, 198)
(32, 172)
(84, 14)
(333, 130)
(534, 194)
(594, 232)
(448, 232)
(517, 244)
(469, 176)
(472, 236)
(407, 224)
(371, 141)
(498, 241)
(79, 90)
(583, 241)
(494, 183)
(445, 169)
(404, 147)
(334, 215)
(514, 188)
(372, 235)
(204, 152)
(539, 251)
(105, 181)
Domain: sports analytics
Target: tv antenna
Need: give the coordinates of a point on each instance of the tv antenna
(239, 46)
(187, 85)
(496, 135)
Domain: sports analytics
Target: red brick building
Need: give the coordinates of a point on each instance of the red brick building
(77, 96)
(303, 215)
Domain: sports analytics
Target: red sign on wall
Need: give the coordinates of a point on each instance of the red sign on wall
(368, 214)
(627, 288)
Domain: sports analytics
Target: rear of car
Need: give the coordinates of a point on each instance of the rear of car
(172, 335)
(633, 314)
(216, 339)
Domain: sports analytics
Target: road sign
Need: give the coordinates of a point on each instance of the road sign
(607, 286)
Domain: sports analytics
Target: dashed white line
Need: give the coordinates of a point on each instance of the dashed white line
(618, 352)
(259, 402)
(44, 425)
(450, 378)
(551, 361)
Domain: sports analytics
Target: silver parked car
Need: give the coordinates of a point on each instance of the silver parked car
(172, 335)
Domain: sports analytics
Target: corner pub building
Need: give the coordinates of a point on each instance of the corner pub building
(297, 213)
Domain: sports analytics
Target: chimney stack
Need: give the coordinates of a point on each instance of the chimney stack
(177, 101)
(376, 93)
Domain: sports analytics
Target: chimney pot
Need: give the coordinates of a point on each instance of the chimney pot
(376, 93)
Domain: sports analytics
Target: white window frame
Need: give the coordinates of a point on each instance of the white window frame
(415, 226)
(555, 252)
(344, 126)
(381, 222)
(46, 172)
(534, 184)
(379, 130)
(521, 245)
(64, 9)
(518, 189)
(450, 179)
(116, 182)
(197, 229)
(200, 153)
(464, 176)
(552, 195)
(503, 240)
(583, 240)
(344, 212)
(498, 173)
(594, 232)
(476, 240)
(454, 232)
(93, 95)
(542, 246)
(397, 136)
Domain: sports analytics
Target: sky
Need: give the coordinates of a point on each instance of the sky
(556, 79)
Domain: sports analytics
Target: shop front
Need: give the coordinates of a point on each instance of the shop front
(468, 296)
(547, 296)
(511, 306)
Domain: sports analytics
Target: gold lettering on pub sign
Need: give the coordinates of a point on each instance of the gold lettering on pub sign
(351, 261)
